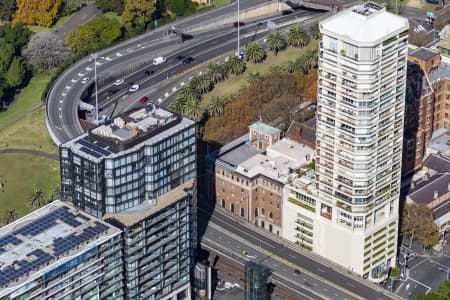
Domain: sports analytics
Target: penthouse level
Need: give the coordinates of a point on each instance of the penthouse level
(59, 252)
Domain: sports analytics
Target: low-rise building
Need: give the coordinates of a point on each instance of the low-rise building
(60, 252)
(249, 182)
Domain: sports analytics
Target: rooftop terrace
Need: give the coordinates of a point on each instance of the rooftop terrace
(127, 131)
(44, 239)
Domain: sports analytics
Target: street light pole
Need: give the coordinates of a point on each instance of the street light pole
(238, 27)
(94, 57)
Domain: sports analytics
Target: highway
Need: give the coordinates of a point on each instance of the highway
(333, 279)
(63, 96)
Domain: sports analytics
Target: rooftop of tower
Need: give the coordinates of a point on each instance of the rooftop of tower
(366, 24)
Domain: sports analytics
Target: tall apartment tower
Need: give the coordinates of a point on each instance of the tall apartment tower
(361, 95)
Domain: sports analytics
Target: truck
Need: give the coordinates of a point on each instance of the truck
(159, 60)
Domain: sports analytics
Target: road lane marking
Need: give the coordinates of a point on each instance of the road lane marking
(320, 270)
(350, 284)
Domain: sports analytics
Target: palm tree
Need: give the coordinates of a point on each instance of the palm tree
(10, 216)
(194, 111)
(177, 105)
(235, 65)
(297, 36)
(55, 195)
(216, 106)
(254, 52)
(201, 84)
(311, 58)
(314, 30)
(215, 72)
(275, 41)
(36, 198)
(252, 76)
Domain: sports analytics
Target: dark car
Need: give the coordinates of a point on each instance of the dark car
(297, 271)
(112, 91)
(148, 72)
(179, 57)
(235, 24)
(187, 60)
(143, 100)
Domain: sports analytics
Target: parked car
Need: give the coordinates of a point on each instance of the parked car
(159, 60)
(187, 60)
(133, 88)
(119, 81)
(143, 100)
(85, 80)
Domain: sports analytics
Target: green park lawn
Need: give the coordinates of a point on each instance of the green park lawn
(234, 83)
(20, 174)
(29, 99)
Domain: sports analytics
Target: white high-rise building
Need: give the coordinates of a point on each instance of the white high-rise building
(360, 105)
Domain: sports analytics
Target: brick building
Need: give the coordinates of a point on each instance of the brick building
(251, 171)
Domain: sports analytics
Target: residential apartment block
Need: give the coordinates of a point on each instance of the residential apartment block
(250, 174)
(141, 155)
(360, 108)
(60, 252)
(137, 173)
(158, 242)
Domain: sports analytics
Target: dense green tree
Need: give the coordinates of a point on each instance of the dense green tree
(8, 9)
(297, 36)
(177, 105)
(314, 30)
(418, 224)
(235, 65)
(276, 41)
(137, 15)
(94, 35)
(311, 58)
(215, 72)
(255, 52)
(16, 72)
(116, 6)
(17, 35)
(194, 111)
(201, 84)
(6, 56)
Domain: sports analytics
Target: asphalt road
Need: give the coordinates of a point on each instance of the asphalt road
(332, 275)
(63, 97)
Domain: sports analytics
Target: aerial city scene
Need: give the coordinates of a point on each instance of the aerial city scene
(224, 149)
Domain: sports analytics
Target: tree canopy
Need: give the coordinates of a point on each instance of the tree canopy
(8, 9)
(116, 6)
(418, 224)
(94, 35)
(137, 15)
(37, 12)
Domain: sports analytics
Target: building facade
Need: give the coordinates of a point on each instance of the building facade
(138, 157)
(360, 108)
(59, 252)
(249, 183)
(158, 245)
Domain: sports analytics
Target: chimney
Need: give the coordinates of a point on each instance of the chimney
(436, 195)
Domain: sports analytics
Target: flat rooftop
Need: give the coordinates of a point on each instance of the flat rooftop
(280, 160)
(423, 53)
(44, 239)
(442, 72)
(142, 211)
(441, 143)
(366, 24)
(127, 133)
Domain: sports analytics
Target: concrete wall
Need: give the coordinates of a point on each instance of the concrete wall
(268, 9)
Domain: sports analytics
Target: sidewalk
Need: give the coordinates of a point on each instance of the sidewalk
(82, 16)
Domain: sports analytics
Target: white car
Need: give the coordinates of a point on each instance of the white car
(134, 88)
(85, 80)
(119, 82)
